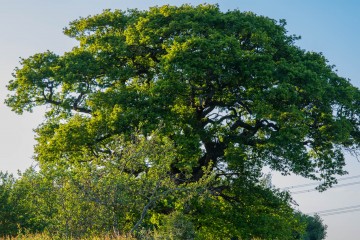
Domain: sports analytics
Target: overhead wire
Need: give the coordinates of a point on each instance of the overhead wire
(313, 184)
(336, 186)
(340, 212)
(335, 211)
(328, 212)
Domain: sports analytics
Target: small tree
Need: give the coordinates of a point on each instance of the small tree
(8, 210)
(19, 210)
(315, 228)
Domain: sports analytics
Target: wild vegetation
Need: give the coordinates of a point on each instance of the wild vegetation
(159, 124)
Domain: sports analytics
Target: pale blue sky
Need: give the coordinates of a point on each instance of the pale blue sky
(331, 27)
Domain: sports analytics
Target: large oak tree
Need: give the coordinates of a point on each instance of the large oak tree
(230, 90)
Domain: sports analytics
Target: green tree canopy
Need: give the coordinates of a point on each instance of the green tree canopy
(315, 229)
(230, 90)
(227, 87)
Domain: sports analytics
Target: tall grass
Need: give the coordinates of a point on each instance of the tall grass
(45, 236)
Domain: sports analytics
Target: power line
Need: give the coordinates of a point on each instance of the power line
(313, 184)
(340, 212)
(336, 186)
(336, 211)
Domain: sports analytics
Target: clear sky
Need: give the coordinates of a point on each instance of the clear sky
(331, 27)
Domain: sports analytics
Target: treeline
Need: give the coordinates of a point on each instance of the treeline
(83, 200)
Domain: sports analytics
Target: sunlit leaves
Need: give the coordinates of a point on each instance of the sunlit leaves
(230, 91)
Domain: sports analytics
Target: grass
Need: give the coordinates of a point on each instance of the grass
(44, 236)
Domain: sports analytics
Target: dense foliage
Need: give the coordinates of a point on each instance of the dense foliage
(315, 228)
(165, 118)
(78, 204)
